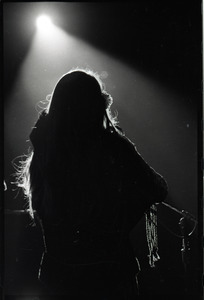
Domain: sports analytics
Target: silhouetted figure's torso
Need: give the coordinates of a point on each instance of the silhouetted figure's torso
(100, 188)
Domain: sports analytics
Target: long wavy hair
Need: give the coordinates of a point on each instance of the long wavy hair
(78, 106)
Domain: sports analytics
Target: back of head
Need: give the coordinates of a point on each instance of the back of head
(78, 100)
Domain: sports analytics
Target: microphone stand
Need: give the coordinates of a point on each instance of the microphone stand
(185, 249)
(183, 213)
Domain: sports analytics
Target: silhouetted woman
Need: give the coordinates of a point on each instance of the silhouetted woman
(89, 187)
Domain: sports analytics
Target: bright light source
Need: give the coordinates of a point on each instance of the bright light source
(44, 23)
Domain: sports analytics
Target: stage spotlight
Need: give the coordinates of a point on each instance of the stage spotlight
(44, 23)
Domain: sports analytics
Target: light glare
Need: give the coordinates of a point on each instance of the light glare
(44, 23)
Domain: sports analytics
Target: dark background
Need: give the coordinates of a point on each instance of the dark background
(164, 41)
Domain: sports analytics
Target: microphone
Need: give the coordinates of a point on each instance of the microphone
(187, 215)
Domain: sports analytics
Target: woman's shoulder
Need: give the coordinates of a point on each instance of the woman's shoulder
(119, 139)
